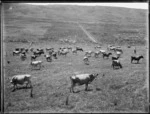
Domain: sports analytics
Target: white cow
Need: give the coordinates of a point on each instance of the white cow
(36, 64)
(21, 79)
(82, 79)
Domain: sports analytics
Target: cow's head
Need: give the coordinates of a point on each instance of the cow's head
(12, 80)
(93, 76)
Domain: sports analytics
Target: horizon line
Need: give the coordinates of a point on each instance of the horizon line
(122, 5)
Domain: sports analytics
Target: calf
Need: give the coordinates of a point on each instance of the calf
(116, 63)
(21, 79)
(82, 79)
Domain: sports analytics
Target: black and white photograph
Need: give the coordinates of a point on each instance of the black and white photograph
(75, 57)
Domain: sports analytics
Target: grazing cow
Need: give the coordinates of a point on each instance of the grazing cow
(54, 54)
(17, 49)
(33, 57)
(96, 54)
(136, 58)
(86, 60)
(79, 49)
(88, 53)
(82, 79)
(74, 51)
(23, 56)
(64, 52)
(102, 51)
(97, 47)
(16, 53)
(48, 58)
(106, 55)
(111, 47)
(49, 49)
(116, 63)
(115, 58)
(118, 53)
(21, 79)
(118, 50)
(36, 64)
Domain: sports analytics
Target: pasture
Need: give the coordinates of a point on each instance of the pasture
(119, 90)
(115, 92)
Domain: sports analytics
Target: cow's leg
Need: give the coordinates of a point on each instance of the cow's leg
(14, 88)
(72, 88)
(120, 66)
(86, 87)
(27, 85)
(113, 67)
(131, 60)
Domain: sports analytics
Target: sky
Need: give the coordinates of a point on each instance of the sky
(126, 5)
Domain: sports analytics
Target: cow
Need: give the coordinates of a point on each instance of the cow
(118, 50)
(118, 53)
(23, 56)
(16, 53)
(79, 49)
(21, 79)
(54, 54)
(36, 64)
(74, 51)
(102, 51)
(115, 58)
(88, 53)
(106, 55)
(136, 58)
(64, 52)
(86, 60)
(97, 47)
(82, 79)
(33, 57)
(96, 54)
(110, 47)
(48, 58)
(116, 63)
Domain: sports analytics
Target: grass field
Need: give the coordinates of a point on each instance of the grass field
(51, 83)
(122, 90)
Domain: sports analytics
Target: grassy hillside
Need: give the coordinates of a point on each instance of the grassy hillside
(106, 24)
(120, 90)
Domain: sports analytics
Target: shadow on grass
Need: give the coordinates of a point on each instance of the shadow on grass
(19, 88)
(77, 91)
(98, 89)
(135, 63)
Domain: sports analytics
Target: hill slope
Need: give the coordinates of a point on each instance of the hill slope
(106, 24)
